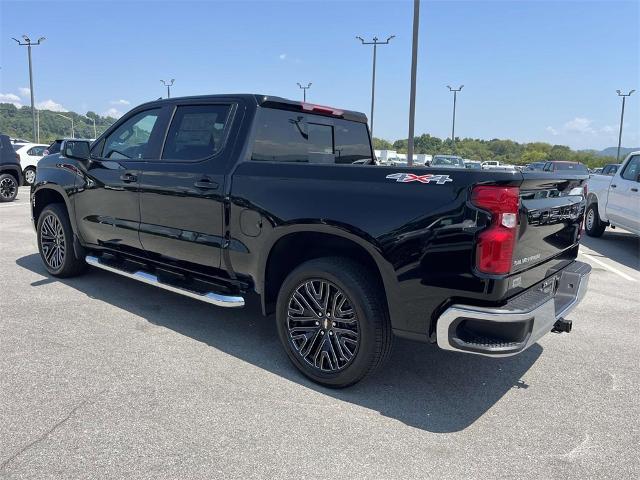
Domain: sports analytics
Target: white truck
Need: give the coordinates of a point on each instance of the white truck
(615, 200)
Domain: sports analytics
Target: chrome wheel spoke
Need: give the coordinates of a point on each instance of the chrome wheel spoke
(322, 325)
(52, 241)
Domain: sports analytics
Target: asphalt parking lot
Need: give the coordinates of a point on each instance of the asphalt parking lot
(102, 377)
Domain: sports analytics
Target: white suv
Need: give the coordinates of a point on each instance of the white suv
(29, 154)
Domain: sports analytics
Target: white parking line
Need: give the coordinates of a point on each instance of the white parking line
(609, 267)
(13, 205)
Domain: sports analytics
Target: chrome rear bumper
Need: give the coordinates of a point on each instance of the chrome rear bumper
(508, 330)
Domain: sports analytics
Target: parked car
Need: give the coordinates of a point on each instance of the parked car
(610, 169)
(615, 200)
(535, 166)
(58, 144)
(30, 154)
(490, 164)
(447, 161)
(566, 167)
(10, 171)
(216, 197)
(596, 171)
(472, 164)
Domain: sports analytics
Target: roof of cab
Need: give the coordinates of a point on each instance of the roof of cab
(268, 101)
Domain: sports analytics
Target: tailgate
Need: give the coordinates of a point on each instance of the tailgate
(551, 211)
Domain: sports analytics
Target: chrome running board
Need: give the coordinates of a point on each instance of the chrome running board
(149, 278)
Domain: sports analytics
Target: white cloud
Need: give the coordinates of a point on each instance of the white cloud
(552, 131)
(24, 92)
(282, 56)
(10, 98)
(579, 125)
(51, 105)
(113, 112)
(120, 102)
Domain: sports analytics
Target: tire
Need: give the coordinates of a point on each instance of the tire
(55, 242)
(329, 351)
(593, 225)
(29, 176)
(8, 187)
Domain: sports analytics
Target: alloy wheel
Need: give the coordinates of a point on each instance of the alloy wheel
(8, 188)
(591, 216)
(322, 325)
(52, 241)
(30, 176)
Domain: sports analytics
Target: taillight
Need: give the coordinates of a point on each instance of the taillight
(495, 245)
(309, 107)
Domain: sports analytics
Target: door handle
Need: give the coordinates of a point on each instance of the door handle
(206, 184)
(613, 186)
(128, 177)
(634, 189)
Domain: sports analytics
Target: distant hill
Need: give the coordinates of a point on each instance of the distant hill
(17, 122)
(612, 151)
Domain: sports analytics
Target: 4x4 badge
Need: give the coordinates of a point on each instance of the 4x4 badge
(412, 177)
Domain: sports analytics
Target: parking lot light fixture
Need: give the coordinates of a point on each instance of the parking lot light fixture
(624, 98)
(375, 42)
(168, 84)
(71, 119)
(453, 124)
(28, 43)
(304, 91)
(95, 132)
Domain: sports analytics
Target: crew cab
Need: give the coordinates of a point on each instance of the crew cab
(224, 196)
(615, 200)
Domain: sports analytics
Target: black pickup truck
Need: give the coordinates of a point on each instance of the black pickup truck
(216, 197)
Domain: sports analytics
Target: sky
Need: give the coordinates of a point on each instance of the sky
(531, 70)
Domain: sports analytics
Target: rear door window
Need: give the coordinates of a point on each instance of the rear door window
(196, 132)
(288, 136)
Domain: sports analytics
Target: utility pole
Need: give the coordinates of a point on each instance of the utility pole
(414, 71)
(28, 43)
(375, 44)
(168, 84)
(304, 91)
(453, 126)
(624, 98)
(95, 132)
(73, 134)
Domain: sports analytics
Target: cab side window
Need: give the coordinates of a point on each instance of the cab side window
(129, 141)
(632, 170)
(196, 132)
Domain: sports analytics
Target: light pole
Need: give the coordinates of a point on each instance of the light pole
(414, 71)
(624, 98)
(73, 135)
(95, 132)
(375, 44)
(304, 91)
(28, 43)
(453, 125)
(168, 84)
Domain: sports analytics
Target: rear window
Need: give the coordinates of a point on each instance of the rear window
(287, 136)
(577, 168)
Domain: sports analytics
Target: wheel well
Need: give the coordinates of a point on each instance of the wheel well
(296, 248)
(46, 197)
(13, 173)
(591, 198)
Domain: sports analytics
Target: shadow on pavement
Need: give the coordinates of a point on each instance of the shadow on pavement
(620, 246)
(420, 386)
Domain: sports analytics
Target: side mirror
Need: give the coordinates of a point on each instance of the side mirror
(78, 149)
